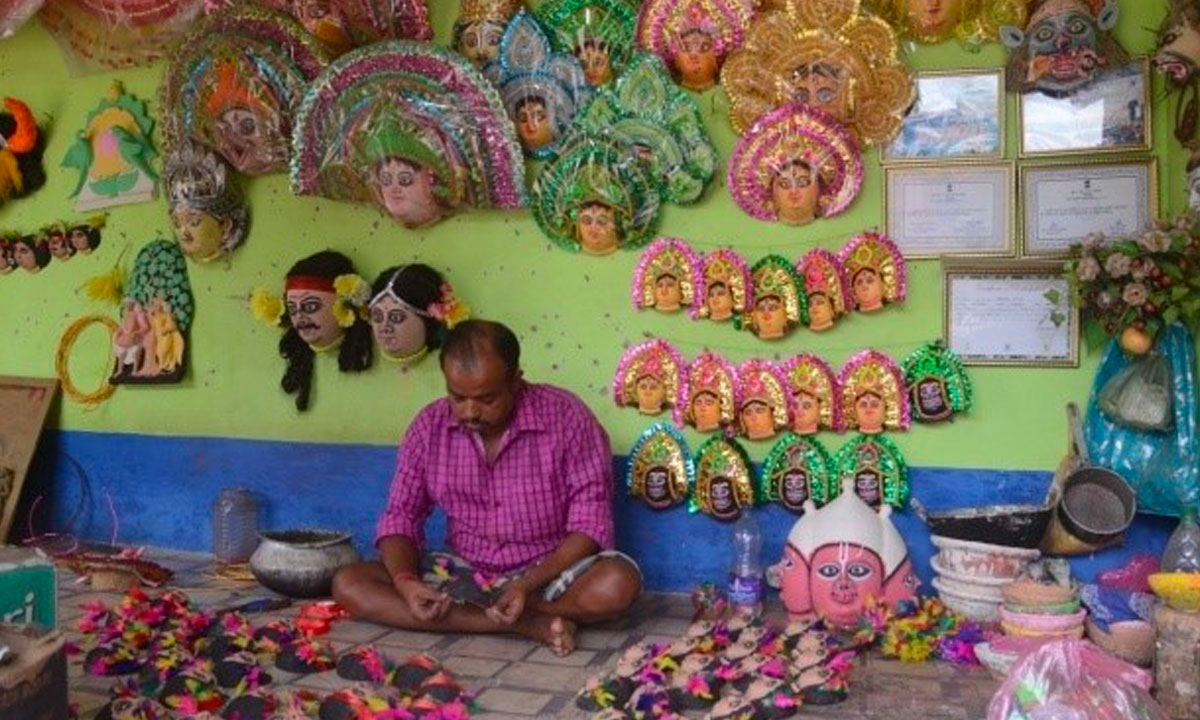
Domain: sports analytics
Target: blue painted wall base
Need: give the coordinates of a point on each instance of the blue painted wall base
(162, 489)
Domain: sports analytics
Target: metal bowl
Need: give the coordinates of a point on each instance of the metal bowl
(301, 563)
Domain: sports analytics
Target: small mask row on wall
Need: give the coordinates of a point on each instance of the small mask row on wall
(798, 473)
(58, 242)
(760, 399)
(326, 306)
(774, 296)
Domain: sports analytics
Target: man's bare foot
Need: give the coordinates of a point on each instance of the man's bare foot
(557, 633)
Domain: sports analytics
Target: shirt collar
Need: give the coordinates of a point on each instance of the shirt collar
(525, 415)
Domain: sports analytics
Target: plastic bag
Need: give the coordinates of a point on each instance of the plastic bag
(1162, 467)
(1074, 680)
(1140, 395)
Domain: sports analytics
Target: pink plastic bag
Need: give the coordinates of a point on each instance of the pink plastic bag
(1074, 680)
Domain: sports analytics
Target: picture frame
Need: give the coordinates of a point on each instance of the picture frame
(1008, 313)
(1109, 115)
(24, 406)
(958, 115)
(934, 211)
(1064, 203)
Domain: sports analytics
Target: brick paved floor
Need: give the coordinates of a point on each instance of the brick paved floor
(515, 679)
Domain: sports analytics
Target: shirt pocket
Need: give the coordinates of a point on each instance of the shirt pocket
(532, 501)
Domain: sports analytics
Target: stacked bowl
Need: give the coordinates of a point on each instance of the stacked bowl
(1044, 611)
(971, 576)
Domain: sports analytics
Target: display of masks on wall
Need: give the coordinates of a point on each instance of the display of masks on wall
(774, 296)
(758, 400)
(720, 481)
(55, 243)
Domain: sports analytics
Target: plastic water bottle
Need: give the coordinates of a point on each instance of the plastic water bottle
(1183, 549)
(745, 579)
(235, 525)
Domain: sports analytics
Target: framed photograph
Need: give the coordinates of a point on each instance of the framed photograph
(1010, 312)
(1110, 114)
(1063, 204)
(965, 210)
(959, 115)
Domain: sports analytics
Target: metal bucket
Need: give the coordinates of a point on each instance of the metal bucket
(1097, 504)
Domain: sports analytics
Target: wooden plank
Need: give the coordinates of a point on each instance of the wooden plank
(24, 405)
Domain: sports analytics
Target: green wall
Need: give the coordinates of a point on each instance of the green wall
(572, 313)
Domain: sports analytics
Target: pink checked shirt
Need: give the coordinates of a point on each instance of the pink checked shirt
(551, 477)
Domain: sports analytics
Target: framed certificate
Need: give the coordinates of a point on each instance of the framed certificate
(1063, 204)
(1010, 312)
(1110, 114)
(963, 210)
(959, 115)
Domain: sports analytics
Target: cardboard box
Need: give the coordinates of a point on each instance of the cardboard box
(28, 587)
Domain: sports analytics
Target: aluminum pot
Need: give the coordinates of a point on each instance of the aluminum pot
(1097, 504)
(301, 563)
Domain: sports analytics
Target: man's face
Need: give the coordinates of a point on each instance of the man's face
(770, 319)
(534, 124)
(868, 291)
(720, 302)
(311, 313)
(667, 293)
(869, 411)
(808, 414)
(252, 145)
(483, 395)
(706, 411)
(398, 332)
(406, 192)
(794, 488)
(696, 60)
(480, 41)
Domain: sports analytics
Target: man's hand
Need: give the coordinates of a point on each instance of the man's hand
(509, 607)
(425, 603)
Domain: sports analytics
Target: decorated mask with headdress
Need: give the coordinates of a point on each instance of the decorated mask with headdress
(796, 164)
(764, 405)
(873, 395)
(21, 149)
(814, 389)
(650, 377)
(113, 153)
(657, 124)
(1177, 57)
(693, 37)
(324, 308)
(728, 289)
(149, 343)
(723, 479)
(937, 382)
(592, 198)
(826, 286)
(598, 32)
(875, 269)
(779, 301)
(1063, 47)
(973, 22)
(710, 401)
(542, 90)
(827, 55)
(837, 558)
(341, 25)
(208, 213)
(661, 471)
(796, 470)
(412, 307)
(667, 276)
(411, 127)
(479, 27)
(236, 84)
(874, 467)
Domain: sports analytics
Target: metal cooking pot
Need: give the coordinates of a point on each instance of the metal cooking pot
(1097, 504)
(301, 563)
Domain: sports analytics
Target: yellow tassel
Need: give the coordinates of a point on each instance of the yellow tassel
(109, 287)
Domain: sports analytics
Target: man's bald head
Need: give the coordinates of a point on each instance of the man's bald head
(470, 344)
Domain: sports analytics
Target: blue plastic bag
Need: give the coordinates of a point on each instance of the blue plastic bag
(1162, 467)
